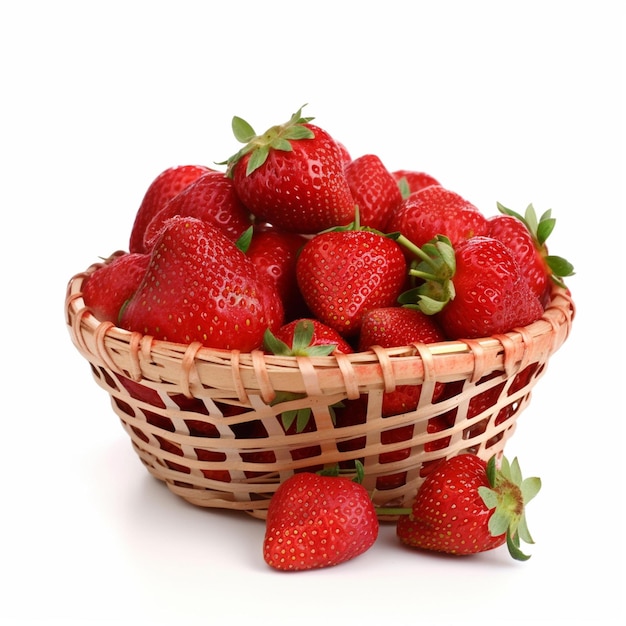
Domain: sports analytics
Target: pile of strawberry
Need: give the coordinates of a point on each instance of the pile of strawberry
(298, 248)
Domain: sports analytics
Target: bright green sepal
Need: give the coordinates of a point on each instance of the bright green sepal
(507, 497)
(301, 344)
(242, 130)
(275, 138)
(433, 268)
(540, 229)
(245, 239)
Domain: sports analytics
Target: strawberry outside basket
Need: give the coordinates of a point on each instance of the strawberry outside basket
(205, 421)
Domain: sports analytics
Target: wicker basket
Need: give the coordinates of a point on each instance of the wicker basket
(202, 420)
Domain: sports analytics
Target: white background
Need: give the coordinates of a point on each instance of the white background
(514, 102)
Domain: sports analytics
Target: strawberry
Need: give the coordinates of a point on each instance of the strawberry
(410, 181)
(200, 287)
(466, 506)
(302, 337)
(389, 327)
(274, 252)
(374, 190)
(211, 198)
(306, 337)
(163, 188)
(476, 290)
(433, 211)
(110, 286)
(526, 237)
(291, 176)
(344, 273)
(316, 521)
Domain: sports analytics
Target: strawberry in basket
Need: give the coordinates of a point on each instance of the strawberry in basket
(291, 176)
(200, 287)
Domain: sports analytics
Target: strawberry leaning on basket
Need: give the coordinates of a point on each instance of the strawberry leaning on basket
(468, 506)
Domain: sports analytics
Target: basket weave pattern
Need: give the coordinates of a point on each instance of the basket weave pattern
(202, 420)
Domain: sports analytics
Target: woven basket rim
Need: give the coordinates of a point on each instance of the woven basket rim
(190, 367)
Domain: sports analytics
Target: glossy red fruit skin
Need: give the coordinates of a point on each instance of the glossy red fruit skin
(492, 295)
(415, 180)
(435, 210)
(448, 514)
(200, 287)
(110, 286)
(303, 190)
(343, 274)
(318, 521)
(514, 234)
(389, 327)
(163, 188)
(275, 252)
(374, 190)
(211, 198)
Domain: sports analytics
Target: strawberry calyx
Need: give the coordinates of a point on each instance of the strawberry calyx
(508, 496)
(540, 229)
(335, 470)
(277, 137)
(434, 267)
(301, 343)
(300, 346)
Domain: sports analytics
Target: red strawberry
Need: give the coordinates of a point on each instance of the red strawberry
(410, 181)
(467, 506)
(476, 290)
(211, 198)
(274, 252)
(302, 337)
(344, 273)
(491, 294)
(400, 326)
(374, 190)
(316, 521)
(163, 188)
(526, 237)
(389, 327)
(298, 337)
(292, 176)
(110, 286)
(200, 287)
(434, 211)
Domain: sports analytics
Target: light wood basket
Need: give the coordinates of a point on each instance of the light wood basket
(202, 420)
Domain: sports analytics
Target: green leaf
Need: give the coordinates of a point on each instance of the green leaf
(242, 130)
(299, 132)
(245, 239)
(522, 530)
(281, 144)
(492, 471)
(560, 267)
(515, 475)
(514, 549)
(544, 230)
(257, 158)
(530, 488)
(405, 190)
(274, 345)
(498, 523)
(489, 497)
(302, 418)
